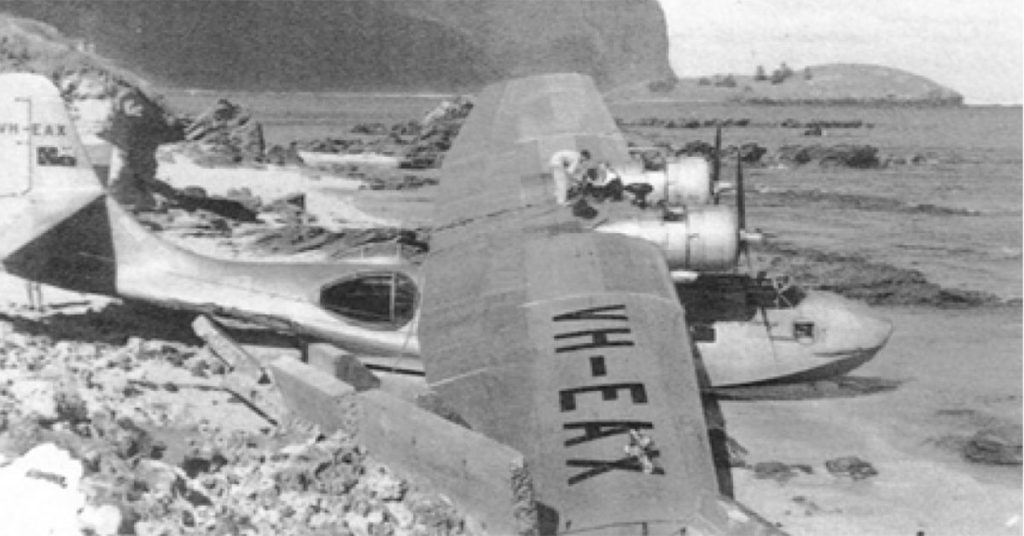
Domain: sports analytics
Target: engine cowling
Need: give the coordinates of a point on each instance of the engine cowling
(705, 239)
(684, 182)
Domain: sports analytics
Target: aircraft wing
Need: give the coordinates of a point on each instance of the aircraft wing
(559, 342)
(500, 158)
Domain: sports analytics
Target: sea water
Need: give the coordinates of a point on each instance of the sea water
(955, 216)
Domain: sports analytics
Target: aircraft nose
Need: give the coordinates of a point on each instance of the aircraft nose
(852, 326)
(873, 330)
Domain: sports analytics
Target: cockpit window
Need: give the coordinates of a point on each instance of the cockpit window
(791, 296)
(384, 298)
(776, 292)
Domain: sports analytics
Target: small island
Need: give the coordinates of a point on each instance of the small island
(829, 84)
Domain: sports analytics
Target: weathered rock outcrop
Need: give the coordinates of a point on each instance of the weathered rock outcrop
(998, 445)
(225, 134)
(367, 44)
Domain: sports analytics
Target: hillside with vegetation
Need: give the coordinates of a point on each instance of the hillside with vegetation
(364, 45)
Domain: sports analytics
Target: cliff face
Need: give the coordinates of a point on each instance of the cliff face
(365, 45)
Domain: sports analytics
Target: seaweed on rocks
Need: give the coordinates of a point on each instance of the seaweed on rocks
(851, 156)
(149, 467)
(873, 282)
(225, 134)
(680, 123)
(296, 238)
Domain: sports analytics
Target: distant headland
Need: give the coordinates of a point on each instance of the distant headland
(830, 84)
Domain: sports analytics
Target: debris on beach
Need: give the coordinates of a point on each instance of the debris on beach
(851, 466)
(779, 471)
(997, 445)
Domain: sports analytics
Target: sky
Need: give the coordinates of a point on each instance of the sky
(972, 46)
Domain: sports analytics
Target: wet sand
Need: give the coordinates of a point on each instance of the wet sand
(959, 372)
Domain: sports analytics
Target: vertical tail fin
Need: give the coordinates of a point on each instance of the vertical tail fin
(39, 146)
(53, 223)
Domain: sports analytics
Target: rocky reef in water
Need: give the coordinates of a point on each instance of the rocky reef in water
(876, 283)
(366, 45)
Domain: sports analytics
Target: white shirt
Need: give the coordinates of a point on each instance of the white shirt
(568, 160)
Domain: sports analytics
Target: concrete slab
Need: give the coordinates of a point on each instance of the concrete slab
(225, 347)
(341, 365)
(316, 397)
(488, 479)
(243, 380)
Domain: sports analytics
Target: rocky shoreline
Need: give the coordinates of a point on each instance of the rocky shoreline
(876, 283)
(161, 449)
(852, 276)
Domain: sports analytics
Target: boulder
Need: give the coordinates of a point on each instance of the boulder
(697, 148)
(751, 153)
(37, 398)
(852, 467)
(852, 156)
(282, 156)
(370, 129)
(111, 110)
(779, 471)
(383, 485)
(228, 133)
(448, 110)
(101, 519)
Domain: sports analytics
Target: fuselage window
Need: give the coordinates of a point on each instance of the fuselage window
(385, 298)
(803, 331)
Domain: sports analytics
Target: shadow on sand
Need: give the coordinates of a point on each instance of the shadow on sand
(114, 324)
(840, 387)
(117, 322)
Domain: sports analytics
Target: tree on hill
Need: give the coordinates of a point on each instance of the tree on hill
(760, 75)
(781, 74)
(662, 86)
(726, 81)
(807, 73)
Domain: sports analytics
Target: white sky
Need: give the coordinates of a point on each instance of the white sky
(972, 46)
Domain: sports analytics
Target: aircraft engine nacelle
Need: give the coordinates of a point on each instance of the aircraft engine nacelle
(683, 182)
(688, 182)
(706, 239)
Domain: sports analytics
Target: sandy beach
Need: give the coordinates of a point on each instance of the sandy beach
(957, 372)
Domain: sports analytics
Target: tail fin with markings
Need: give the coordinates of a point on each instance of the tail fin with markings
(54, 223)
